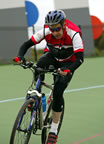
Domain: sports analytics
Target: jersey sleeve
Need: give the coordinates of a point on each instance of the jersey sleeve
(36, 38)
(77, 41)
(40, 35)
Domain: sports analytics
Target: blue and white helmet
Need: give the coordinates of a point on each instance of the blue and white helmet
(54, 17)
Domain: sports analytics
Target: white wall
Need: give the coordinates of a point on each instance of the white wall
(11, 3)
(69, 4)
(96, 8)
(44, 6)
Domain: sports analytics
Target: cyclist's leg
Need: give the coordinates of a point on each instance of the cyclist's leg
(44, 61)
(59, 87)
(58, 105)
(58, 100)
(60, 84)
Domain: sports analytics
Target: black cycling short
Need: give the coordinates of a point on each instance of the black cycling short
(60, 82)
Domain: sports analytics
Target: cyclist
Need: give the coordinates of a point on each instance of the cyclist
(64, 50)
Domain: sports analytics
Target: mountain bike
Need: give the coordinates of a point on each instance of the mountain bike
(36, 112)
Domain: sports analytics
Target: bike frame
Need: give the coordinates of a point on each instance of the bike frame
(36, 104)
(36, 97)
(38, 120)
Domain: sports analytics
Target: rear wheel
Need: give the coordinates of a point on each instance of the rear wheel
(21, 132)
(47, 123)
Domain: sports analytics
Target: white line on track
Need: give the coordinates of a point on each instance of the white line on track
(67, 91)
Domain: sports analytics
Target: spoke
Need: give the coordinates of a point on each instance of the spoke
(21, 132)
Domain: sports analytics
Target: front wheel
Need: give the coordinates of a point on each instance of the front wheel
(47, 123)
(21, 132)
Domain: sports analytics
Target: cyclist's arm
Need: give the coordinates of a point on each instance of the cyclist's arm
(78, 48)
(25, 46)
(69, 70)
(35, 39)
(79, 60)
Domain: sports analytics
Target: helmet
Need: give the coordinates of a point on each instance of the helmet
(54, 17)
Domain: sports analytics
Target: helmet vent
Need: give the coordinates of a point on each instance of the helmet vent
(58, 16)
(54, 17)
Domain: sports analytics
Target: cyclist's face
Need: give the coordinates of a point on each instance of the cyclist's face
(57, 30)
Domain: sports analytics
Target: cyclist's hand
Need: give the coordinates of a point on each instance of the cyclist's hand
(64, 72)
(19, 60)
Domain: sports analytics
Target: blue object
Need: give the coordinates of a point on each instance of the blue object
(31, 12)
(44, 103)
(38, 83)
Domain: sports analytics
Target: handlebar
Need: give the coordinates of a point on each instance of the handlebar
(31, 65)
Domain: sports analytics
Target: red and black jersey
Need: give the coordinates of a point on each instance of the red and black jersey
(67, 49)
(64, 49)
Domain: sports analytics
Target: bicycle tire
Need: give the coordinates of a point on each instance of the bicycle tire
(44, 130)
(22, 110)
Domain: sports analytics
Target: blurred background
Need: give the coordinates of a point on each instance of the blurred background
(19, 19)
(84, 98)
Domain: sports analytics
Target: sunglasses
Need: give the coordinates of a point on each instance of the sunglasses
(55, 29)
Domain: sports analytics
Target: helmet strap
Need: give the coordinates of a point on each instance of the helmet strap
(62, 25)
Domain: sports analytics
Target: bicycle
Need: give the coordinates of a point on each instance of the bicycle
(30, 117)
